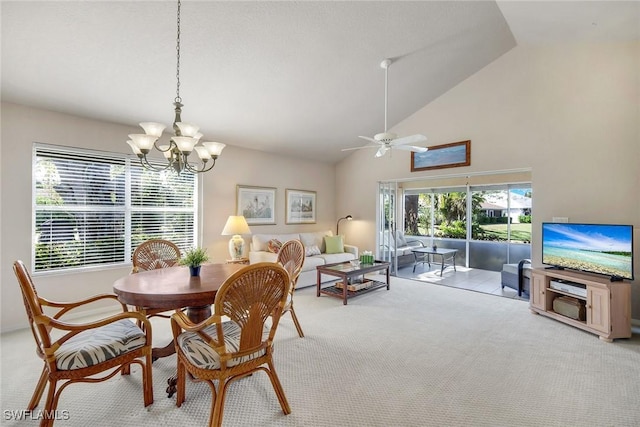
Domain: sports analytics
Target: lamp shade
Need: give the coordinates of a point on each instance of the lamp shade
(236, 224)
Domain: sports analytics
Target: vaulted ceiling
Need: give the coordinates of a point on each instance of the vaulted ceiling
(294, 78)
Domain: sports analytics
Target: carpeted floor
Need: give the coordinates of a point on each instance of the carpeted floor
(417, 355)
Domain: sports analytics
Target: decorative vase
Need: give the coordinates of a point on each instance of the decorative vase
(195, 271)
(435, 248)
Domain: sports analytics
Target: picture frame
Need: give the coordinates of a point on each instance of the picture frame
(300, 206)
(451, 155)
(256, 204)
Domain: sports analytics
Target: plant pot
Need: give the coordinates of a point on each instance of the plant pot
(195, 271)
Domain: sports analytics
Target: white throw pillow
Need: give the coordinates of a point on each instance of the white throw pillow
(311, 250)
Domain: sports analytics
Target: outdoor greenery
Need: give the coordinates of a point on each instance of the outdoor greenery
(447, 211)
(81, 215)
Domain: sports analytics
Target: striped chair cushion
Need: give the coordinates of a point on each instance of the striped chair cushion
(203, 356)
(95, 346)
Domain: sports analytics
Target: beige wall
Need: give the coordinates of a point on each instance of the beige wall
(569, 113)
(21, 126)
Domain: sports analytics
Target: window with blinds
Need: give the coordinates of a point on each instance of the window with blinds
(93, 208)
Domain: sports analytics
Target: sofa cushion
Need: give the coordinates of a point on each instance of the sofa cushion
(315, 238)
(333, 258)
(259, 242)
(334, 244)
(400, 239)
(274, 246)
(262, 256)
(310, 263)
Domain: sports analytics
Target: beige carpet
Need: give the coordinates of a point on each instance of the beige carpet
(417, 355)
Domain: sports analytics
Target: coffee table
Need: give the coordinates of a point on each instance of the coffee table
(351, 276)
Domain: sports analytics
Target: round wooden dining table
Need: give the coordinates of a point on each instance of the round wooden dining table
(174, 288)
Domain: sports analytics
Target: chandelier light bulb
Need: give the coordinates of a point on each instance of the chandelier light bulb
(143, 142)
(152, 128)
(203, 153)
(134, 148)
(188, 129)
(185, 143)
(214, 148)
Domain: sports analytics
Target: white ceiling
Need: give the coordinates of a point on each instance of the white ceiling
(295, 78)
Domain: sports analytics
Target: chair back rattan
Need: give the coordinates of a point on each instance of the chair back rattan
(249, 298)
(291, 256)
(154, 254)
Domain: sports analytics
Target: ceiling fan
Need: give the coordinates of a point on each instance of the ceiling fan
(385, 141)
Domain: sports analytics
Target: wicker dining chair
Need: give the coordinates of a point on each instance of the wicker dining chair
(291, 256)
(154, 254)
(82, 351)
(151, 255)
(217, 351)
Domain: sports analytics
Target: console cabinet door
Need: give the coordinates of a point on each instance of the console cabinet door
(598, 315)
(538, 285)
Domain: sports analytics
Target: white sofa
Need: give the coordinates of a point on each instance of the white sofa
(259, 252)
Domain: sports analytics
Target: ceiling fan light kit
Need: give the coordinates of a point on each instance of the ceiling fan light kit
(385, 141)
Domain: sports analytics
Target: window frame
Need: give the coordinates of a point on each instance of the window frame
(190, 237)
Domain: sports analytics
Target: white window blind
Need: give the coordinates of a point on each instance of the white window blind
(94, 208)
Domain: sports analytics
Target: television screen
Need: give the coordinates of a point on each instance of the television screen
(595, 248)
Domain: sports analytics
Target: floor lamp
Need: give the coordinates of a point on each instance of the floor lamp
(348, 218)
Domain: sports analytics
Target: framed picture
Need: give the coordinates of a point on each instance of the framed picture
(300, 207)
(256, 204)
(442, 156)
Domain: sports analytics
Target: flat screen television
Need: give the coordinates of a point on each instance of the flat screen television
(605, 249)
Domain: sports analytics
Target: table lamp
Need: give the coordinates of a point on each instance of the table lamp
(235, 226)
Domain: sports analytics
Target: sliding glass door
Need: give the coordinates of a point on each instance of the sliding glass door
(386, 214)
(489, 225)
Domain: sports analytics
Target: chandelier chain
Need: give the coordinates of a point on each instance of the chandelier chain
(178, 99)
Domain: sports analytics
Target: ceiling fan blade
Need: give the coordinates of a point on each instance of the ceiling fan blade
(383, 149)
(369, 139)
(411, 139)
(411, 148)
(358, 148)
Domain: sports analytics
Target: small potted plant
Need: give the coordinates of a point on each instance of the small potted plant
(193, 258)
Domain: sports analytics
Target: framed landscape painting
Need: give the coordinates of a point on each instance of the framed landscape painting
(300, 207)
(442, 156)
(256, 204)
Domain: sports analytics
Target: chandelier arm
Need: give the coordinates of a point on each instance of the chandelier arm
(145, 163)
(193, 169)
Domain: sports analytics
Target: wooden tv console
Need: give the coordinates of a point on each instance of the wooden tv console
(608, 304)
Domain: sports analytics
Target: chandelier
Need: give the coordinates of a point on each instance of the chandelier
(186, 137)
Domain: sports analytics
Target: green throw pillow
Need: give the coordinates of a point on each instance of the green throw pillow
(334, 244)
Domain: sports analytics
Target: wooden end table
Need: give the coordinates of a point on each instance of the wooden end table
(349, 275)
